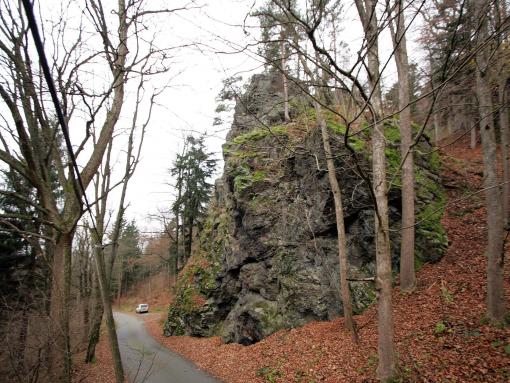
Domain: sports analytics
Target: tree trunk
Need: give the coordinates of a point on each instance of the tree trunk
(437, 136)
(345, 293)
(189, 240)
(386, 351)
(495, 249)
(407, 273)
(284, 78)
(121, 278)
(473, 138)
(95, 323)
(107, 305)
(505, 146)
(449, 116)
(59, 308)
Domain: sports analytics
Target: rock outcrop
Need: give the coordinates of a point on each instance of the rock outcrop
(268, 254)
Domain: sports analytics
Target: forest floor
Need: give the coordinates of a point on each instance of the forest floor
(441, 333)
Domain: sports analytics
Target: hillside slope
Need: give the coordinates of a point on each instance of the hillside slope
(441, 333)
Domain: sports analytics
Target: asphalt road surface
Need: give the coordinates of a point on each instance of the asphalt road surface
(145, 360)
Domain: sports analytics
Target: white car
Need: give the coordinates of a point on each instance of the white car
(142, 308)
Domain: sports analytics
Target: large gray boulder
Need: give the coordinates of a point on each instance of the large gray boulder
(268, 256)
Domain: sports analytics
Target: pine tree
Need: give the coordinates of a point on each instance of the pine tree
(193, 170)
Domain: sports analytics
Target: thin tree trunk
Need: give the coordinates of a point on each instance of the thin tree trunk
(107, 305)
(495, 249)
(386, 351)
(95, 324)
(345, 293)
(449, 117)
(437, 135)
(473, 138)
(505, 146)
(121, 278)
(189, 240)
(284, 78)
(407, 272)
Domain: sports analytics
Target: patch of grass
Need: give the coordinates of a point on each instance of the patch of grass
(269, 374)
(355, 142)
(446, 294)
(440, 327)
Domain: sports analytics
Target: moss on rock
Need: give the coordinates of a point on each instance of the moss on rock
(200, 275)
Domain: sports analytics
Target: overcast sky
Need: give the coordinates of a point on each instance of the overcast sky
(188, 106)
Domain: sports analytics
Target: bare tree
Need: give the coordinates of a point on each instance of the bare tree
(104, 267)
(32, 142)
(495, 249)
(386, 351)
(398, 33)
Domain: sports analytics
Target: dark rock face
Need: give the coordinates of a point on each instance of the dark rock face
(269, 257)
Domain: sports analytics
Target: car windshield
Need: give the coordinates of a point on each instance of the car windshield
(144, 306)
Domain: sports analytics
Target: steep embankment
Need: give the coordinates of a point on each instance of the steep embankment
(268, 255)
(441, 334)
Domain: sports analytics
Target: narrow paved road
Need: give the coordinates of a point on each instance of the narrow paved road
(145, 360)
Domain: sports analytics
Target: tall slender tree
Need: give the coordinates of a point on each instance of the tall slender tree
(496, 307)
(386, 349)
(398, 32)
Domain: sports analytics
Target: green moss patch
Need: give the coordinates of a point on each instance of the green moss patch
(258, 134)
(355, 142)
(245, 177)
(199, 278)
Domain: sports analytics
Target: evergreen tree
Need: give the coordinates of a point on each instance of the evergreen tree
(18, 227)
(193, 170)
(129, 252)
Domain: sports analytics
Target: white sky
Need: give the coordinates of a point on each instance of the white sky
(189, 105)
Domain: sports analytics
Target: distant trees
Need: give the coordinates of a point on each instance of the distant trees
(129, 252)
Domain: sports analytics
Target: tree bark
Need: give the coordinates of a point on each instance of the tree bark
(495, 249)
(121, 278)
(407, 272)
(345, 293)
(107, 305)
(284, 78)
(59, 308)
(473, 138)
(505, 145)
(386, 352)
(95, 322)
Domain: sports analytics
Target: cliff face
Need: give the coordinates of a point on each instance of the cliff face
(268, 254)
